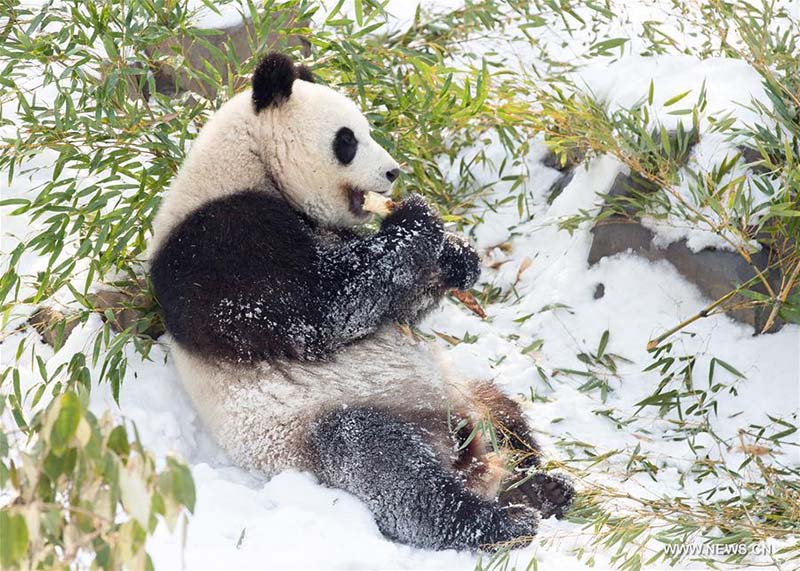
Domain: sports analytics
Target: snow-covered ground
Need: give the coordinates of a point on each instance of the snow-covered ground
(243, 520)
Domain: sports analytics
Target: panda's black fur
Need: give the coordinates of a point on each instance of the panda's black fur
(427, 505)
(283, 329)
(273, 79)
(247, 277)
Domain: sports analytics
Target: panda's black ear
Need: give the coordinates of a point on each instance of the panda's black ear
(272, 80)
(304, 73)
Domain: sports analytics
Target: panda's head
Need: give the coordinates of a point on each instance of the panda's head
(317, 144)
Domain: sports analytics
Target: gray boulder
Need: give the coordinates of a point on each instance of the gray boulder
(714, 272)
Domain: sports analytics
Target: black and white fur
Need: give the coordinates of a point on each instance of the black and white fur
(283, 311)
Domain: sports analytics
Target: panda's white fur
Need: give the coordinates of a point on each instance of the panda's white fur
(239, 148)
(262, 412)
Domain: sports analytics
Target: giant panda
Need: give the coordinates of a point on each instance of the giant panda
(283, 312)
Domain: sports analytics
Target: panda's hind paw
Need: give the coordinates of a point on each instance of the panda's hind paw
(551, 493)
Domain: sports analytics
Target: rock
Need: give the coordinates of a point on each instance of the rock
(50, 323)
(599, 291)
(753, 159)
(193, 53)
(128, 305)
(714, 272)
(626, 186)
(122, 307)
(572, 158)
(559, 186)
(618, 234)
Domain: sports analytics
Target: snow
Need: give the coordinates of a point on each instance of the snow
(212, 15)
(245, 521)
(730, 86)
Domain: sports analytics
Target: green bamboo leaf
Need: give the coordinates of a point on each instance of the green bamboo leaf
(603, 343)
(675, 99)
(359, 12)
(13, 538)
(183, 489)
(535, 346)
(67, 421)
(730, 368)
(604, 46)
(118, 442)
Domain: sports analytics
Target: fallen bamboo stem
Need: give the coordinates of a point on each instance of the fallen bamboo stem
(705, 312)
(654, 343)
(784, 294)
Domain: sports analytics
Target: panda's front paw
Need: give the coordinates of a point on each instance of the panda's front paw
(459, 263)
(421, 224)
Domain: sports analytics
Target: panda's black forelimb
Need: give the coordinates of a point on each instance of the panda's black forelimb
(246, 277)
(398, 274)
(387, 276)
(458, 266)
(384, 461)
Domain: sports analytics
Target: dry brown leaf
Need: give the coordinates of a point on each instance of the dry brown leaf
(405, 330)
(754, 449)
(468, 300)
(524, 265)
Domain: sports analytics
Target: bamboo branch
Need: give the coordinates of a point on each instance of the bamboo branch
(784, 294)
(654, 343)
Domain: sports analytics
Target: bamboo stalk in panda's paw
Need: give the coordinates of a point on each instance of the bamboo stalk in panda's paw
(382, 206)
(378, 204)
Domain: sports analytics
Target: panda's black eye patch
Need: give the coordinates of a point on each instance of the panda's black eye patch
(345, 145)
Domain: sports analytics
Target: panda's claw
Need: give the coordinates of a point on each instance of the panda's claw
(552, 492)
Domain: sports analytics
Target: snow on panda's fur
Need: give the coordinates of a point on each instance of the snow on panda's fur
(282, 313)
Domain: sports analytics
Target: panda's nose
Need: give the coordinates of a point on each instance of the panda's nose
(392, 174)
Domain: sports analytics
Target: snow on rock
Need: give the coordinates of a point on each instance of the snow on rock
(730, 87)
(730, 84)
